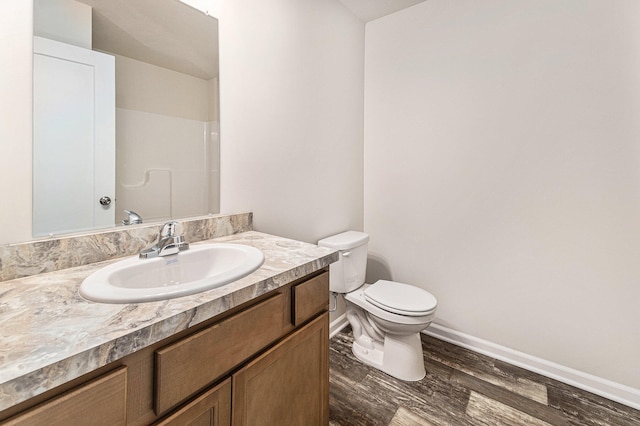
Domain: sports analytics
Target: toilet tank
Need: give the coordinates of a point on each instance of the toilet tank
(347, 274)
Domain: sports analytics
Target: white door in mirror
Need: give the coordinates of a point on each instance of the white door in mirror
(74, 150)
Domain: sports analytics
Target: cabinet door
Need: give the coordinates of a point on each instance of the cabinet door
(288, 384)
(100, 402)
(212, 408)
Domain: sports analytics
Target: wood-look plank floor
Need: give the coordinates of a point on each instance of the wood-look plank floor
(461, 388)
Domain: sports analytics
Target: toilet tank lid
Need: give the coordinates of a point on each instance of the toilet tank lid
(345, 241)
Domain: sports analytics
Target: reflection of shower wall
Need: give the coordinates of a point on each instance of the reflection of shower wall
(166, 167)
(213, 169)
(167, 149)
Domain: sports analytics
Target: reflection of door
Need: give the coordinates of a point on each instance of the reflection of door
(73, 138)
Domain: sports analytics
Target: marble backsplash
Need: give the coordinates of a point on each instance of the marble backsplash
(53, 254)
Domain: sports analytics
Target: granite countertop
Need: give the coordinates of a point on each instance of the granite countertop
(51, 335)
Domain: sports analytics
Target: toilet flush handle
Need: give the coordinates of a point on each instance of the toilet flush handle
(346, 253)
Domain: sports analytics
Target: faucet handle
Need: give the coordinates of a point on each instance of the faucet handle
(170, 241)
(171, 229)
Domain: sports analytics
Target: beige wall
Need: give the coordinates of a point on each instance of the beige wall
(66, 21)
(16, 41)
(502, 171)
(149, 88)
(291, 80)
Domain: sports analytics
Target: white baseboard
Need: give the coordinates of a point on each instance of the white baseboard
(611, 390)
(337, 325)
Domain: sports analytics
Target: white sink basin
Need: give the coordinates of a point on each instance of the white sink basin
(200, 268)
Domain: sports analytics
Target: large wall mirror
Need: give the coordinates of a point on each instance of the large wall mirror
(126, 113)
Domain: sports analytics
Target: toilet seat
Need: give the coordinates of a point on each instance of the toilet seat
(399, 298)
(358, 298)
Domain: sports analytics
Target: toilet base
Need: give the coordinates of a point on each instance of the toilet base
(399, 356)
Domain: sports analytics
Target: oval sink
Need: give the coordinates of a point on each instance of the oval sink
(200, 268)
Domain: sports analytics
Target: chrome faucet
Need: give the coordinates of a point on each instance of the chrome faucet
(170, 241)
(133, 218)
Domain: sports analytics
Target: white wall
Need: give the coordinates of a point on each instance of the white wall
(291, 83)
(502, 171)
(16, 41)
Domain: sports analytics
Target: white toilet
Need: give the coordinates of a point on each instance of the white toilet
(386, 317)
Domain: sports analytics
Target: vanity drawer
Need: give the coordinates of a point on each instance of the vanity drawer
(102, 401)
(309, 298)
(187, 366)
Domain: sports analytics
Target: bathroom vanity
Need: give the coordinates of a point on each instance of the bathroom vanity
(252, 352)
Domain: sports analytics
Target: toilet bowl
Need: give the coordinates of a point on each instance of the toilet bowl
(386, 317)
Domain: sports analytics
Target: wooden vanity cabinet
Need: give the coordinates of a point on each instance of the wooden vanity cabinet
(286, 385)
(265, 362)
